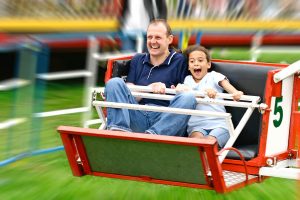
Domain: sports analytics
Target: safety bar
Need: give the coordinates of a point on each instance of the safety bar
(136, 88)
(141, 92)
(161, 109)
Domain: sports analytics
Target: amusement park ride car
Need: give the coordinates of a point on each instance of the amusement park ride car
(264, 134)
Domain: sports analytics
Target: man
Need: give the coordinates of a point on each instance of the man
(160, 69)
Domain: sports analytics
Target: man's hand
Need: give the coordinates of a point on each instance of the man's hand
(158, 87)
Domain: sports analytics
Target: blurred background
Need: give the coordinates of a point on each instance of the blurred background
(52, 52)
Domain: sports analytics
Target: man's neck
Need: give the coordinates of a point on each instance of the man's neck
(157, 60)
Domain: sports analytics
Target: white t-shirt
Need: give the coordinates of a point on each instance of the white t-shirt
(209, 81)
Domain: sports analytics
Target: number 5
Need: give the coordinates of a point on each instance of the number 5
(278, 110)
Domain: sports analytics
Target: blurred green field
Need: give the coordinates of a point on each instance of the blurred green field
(48, 176)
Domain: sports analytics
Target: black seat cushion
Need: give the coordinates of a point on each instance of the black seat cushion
(251, 79)
(121, 68)
(248, 151)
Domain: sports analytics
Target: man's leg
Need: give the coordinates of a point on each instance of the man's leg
(174, 124)
(123, 119)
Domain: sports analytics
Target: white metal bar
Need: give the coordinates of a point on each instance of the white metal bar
(199, 100)
(288, 71)
(243, 121)
(11, 122)
(61, 112)
(13, 83)
(64, 75)
(139, 43)
(161, 109)
(102, 117)
(92, 122)
(106, 56)
(92, 66)
(290, 173)
(237, 132)
(135, 88)
(287, 163)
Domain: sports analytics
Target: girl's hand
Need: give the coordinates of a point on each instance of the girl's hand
(211, 93)
(181, 88)
(237, 95)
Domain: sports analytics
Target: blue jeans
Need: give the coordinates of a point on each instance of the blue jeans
(221, 134)
(145, 121)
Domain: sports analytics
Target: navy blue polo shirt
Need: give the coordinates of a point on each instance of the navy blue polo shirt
(171, 72)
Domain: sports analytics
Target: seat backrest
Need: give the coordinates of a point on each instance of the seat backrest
(120, 68)
(251, 79)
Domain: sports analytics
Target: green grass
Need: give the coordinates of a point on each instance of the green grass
(245, 54)
(49, 176)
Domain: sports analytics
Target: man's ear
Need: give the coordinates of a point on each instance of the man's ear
(170, 38)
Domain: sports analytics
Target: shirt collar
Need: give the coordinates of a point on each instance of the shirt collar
(166, 62)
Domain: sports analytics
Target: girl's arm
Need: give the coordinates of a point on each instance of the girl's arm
(231, 90)
(181, 88)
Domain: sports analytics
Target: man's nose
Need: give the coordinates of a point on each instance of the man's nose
(153, 40)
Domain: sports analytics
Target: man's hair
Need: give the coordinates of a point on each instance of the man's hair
(193, 48)
(164, 22)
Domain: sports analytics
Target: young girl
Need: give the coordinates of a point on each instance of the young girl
(212, 83)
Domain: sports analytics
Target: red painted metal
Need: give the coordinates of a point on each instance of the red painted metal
(75, 149)
(216, 169)
(295, 117)
(241, 156)
(79, 42)
(71, 152)
(210, 40)
(260, 64)
(150, 180)
(109, 68)
(82, 154)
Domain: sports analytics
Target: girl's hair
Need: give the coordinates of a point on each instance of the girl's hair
(164, 22)
(193, 48)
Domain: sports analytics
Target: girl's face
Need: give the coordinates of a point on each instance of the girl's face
(198, 65)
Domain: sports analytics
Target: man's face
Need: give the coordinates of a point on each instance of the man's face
(157, 39)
